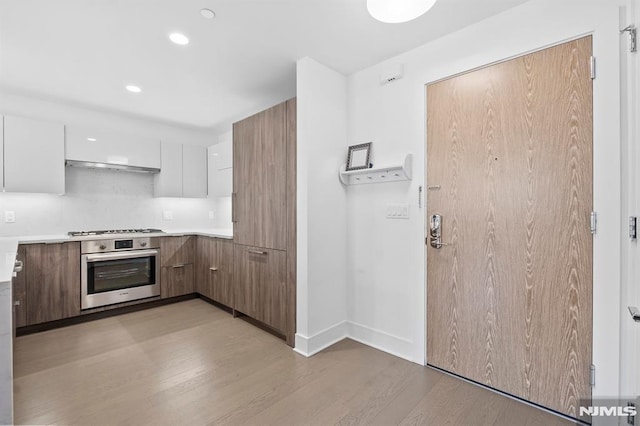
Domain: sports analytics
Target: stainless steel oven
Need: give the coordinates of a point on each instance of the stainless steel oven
(119, 270)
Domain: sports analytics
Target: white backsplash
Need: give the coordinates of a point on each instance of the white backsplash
(107, 199)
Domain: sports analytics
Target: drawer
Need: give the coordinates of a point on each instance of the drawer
(177, 250)
(176, 280)
(260, 284)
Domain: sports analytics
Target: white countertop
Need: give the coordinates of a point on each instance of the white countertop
(61, 238)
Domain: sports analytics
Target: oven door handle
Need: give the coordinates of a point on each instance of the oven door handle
(131, 254)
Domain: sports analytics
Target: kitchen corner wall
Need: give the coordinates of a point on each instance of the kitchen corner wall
(321, 207)
(104, 199)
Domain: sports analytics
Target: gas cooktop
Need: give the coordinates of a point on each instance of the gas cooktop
(114, 231)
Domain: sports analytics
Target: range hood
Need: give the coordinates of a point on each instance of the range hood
(100, 149)
(111, 166)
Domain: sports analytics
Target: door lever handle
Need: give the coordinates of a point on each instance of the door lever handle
(635, 313)
(436, 243)
(435, 232)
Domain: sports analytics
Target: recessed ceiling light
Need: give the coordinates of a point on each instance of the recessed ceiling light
(208, 13)
(397, 11)
(133, 89)
(92, 139)
(178, 38)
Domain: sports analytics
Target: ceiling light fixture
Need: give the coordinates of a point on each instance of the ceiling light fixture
(207, 13)
(397, 11)
(133, 89)
(178, 38)
(92, 139)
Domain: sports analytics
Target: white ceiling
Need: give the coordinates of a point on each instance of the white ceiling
(86, 51)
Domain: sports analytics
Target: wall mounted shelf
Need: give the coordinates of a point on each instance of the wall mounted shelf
(378, 174)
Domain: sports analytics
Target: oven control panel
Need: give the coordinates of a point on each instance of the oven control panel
(119, 244)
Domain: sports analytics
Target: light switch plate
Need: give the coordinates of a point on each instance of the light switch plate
(9, 216)
(167, 215)
(212, 214)
(397, 211)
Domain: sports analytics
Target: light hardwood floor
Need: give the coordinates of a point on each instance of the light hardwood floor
(191, 363)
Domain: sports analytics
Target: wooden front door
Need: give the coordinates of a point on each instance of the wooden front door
(509, 170)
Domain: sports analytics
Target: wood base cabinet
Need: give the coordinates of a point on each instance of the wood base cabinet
(52, 282)
(177, 258)
(176, 280)
(214, 276)
(261, 285)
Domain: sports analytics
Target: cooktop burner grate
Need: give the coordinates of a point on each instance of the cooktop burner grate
(114, 231)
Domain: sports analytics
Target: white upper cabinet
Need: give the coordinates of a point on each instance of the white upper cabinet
(222, 154)
(194, 171)
(33, 156)
(168, 183)
(84, 144)
(221, 167)
(183, 172)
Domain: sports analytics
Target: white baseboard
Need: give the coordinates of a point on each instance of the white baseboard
(394, 345)
(309, 346)
(380, 340)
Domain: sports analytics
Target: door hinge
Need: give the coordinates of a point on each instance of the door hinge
(592, 375)
(633, 37)
(593, 67)
(594, 222)
(633, 227)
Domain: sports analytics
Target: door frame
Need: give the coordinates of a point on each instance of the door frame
(607, 241)
(630, 296)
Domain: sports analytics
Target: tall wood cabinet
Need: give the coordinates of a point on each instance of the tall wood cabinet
(264, 198)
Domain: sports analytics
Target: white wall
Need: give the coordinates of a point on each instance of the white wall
(321, 204)
(102, 199)
(386, 291)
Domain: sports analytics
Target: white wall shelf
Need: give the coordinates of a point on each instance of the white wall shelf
(377, 175)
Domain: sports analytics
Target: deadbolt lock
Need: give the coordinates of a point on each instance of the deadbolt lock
(435, 232)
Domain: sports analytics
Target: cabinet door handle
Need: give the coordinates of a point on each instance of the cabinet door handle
(178, 266)
(234, 197)
(264, 253)
(213, 269)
